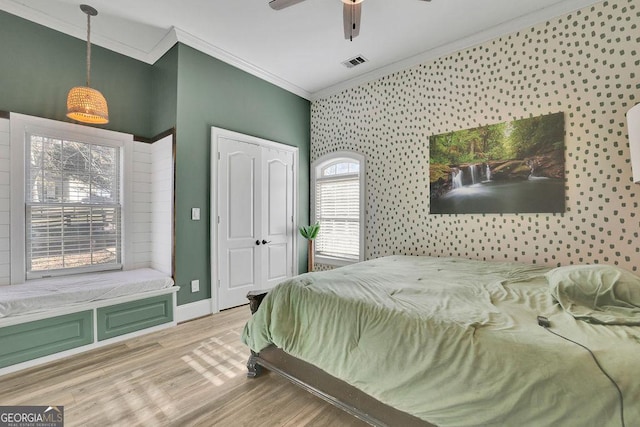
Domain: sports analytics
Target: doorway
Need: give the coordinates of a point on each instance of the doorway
(253, 222)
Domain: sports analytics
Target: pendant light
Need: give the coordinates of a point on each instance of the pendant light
(85, 104)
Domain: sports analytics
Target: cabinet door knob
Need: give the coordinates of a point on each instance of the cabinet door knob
(257, 242)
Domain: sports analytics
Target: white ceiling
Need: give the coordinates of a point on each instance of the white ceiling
(299, 48)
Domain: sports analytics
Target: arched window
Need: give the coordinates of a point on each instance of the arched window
(337, 187)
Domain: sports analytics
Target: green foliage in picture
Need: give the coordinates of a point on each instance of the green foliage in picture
(503, 141)
(468, 146)
(532, 136)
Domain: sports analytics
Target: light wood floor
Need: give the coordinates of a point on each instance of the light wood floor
(190, 375)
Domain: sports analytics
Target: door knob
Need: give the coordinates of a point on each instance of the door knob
(264, 242)
(257, 242)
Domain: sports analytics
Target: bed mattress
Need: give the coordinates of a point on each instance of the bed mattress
(454, 342)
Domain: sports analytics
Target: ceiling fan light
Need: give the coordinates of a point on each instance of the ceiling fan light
(87, 105)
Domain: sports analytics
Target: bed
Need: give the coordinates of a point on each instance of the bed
(406, 340)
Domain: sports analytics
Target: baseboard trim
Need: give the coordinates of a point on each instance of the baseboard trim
(193, 310)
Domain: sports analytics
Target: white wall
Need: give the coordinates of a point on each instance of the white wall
(153, 204)
(141, 220)
(162, 204)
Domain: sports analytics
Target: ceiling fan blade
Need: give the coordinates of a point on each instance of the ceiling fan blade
(281, 4)
(351, 16)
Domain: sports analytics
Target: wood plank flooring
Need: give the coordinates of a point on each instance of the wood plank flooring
(190, 375)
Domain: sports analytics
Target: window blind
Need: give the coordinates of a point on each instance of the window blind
(338, 212)
(72, 206)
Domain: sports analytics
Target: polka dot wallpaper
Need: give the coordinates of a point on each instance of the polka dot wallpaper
(585, 64)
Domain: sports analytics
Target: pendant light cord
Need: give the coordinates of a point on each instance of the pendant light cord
(88, 50)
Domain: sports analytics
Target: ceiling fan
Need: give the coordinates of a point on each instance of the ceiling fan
(351, 11)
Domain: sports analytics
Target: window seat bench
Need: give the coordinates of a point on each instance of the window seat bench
(51, 318)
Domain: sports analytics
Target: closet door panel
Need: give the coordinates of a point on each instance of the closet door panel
(277, 220)
(239, 210)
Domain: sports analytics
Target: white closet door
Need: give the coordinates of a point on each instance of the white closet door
(239, 229)
(277, 216)
(253, 212)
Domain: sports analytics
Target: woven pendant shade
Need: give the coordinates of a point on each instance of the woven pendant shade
(87, 105)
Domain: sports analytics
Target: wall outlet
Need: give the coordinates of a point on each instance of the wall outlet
(195, 285)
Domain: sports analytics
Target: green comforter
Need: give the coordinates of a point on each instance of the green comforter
(454, 342)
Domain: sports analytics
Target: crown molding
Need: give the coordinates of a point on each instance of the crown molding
(221, 54)
(162, 47)
(500, 30)
(49, 21)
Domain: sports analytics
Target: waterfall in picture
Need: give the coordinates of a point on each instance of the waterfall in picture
(456, 179)
(532, 167)
(488, 173)
(473, 170)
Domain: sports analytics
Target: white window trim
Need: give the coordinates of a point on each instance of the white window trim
(316, 167)
(20, 125)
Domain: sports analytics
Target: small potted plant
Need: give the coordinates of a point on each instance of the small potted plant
(310, 232)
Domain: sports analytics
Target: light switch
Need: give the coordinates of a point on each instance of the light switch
(195, 285)
(195, 214)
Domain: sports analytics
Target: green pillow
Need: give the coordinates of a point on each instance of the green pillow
(597, 293)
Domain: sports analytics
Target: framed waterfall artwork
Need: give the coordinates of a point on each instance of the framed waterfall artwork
(510, 167)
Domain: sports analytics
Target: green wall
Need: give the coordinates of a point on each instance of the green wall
(213, 93)
(185, 89)
(40, 65)
(164, 92)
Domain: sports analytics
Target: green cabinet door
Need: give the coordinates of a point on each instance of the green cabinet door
(124, 318)
(27, 341)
